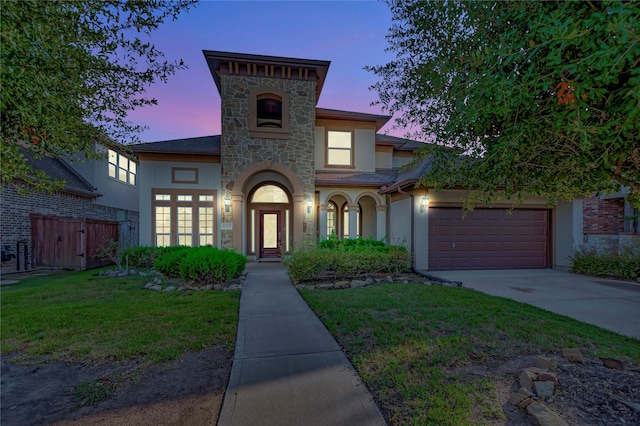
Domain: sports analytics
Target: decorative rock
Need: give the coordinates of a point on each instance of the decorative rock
(517, 398)
(616, 364)
(369, 281)
(122, 274)
(544, 416)
(548, 377)
(527, 378)
(325, 286)
(149, 284)
(170, 288)
(342, 284)
(207, 287)
(358, 284)
(526, 402)
(546, 362)
(133, 272)
(389, 278)
(142, 274)
(526, 392)
(543, 389)
(572, 355)
(155, 287)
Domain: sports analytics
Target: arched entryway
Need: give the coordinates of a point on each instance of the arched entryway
(269, 208)
(269, 227)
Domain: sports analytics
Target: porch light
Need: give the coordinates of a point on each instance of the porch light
(309, 205)
(425, 204)
(227, 203)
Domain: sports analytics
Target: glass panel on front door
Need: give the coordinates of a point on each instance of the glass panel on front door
(270, 238)
(270, 223)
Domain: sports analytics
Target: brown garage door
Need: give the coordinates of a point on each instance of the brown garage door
(488, 239)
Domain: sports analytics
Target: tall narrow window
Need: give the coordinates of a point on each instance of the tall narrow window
(185, 226)
(331, 220)
(339, 148)
(205, 224)
(163, 226)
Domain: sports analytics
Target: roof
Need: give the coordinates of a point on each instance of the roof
(58, 169)
(250, 64)
(408, 176)
(204, 145)
(399, 144)
(334, 114)
(341, 178)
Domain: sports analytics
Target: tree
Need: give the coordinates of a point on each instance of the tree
(70, 73)
(538, 98)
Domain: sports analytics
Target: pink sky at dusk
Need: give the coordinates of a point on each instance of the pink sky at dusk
(350, 34)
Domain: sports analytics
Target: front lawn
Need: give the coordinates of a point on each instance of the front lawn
(82, 317)
(410, 343)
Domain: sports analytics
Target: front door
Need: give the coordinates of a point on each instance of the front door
(270, 234)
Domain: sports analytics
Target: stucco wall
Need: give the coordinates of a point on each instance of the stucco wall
(364, 154)
(157, 174)
(115, 193)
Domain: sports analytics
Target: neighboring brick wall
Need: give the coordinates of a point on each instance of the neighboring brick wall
(15, 223)
(603, 225)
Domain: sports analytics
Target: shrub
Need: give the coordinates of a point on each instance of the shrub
(211, 265)
(347, 260)
(141, 256)
(624, 265)
(169, 259)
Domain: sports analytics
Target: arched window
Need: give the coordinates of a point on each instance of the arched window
(270, 194)
(269, 110)
(331, 220)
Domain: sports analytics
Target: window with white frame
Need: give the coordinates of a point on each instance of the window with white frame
(331, 220)
(339, 148)
(183, 217)
(122, 168)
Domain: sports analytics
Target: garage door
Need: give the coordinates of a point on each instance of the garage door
(488, 239)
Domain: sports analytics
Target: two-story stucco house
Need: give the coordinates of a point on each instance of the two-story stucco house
(285, 173)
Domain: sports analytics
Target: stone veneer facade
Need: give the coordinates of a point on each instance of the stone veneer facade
(240, 150)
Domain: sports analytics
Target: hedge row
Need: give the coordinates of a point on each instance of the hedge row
(347, 260)
(197, 264)
(624, 265)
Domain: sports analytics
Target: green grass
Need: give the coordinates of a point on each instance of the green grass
(407, 341)
(82, 317)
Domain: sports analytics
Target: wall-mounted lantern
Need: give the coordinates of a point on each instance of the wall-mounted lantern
(309, 205)
(227, 203)
(424, 205)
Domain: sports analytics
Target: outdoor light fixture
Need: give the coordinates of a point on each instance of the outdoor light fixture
(309, 205)
(227, 203)
(425, 204)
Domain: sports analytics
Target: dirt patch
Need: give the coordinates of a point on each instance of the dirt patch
(588, 393)
(186, 391)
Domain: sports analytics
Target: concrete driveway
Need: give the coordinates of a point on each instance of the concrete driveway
(610, 304)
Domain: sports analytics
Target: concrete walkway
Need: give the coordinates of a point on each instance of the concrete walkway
(288, 369)
(610, 304)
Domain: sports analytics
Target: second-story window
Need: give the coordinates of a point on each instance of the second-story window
(269, 111)
(339, 148)
(122, 168)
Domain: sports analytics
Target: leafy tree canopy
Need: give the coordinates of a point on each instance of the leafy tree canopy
(70, 73)
(542, 98)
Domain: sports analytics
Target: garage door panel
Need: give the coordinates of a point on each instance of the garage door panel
(488, 239)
